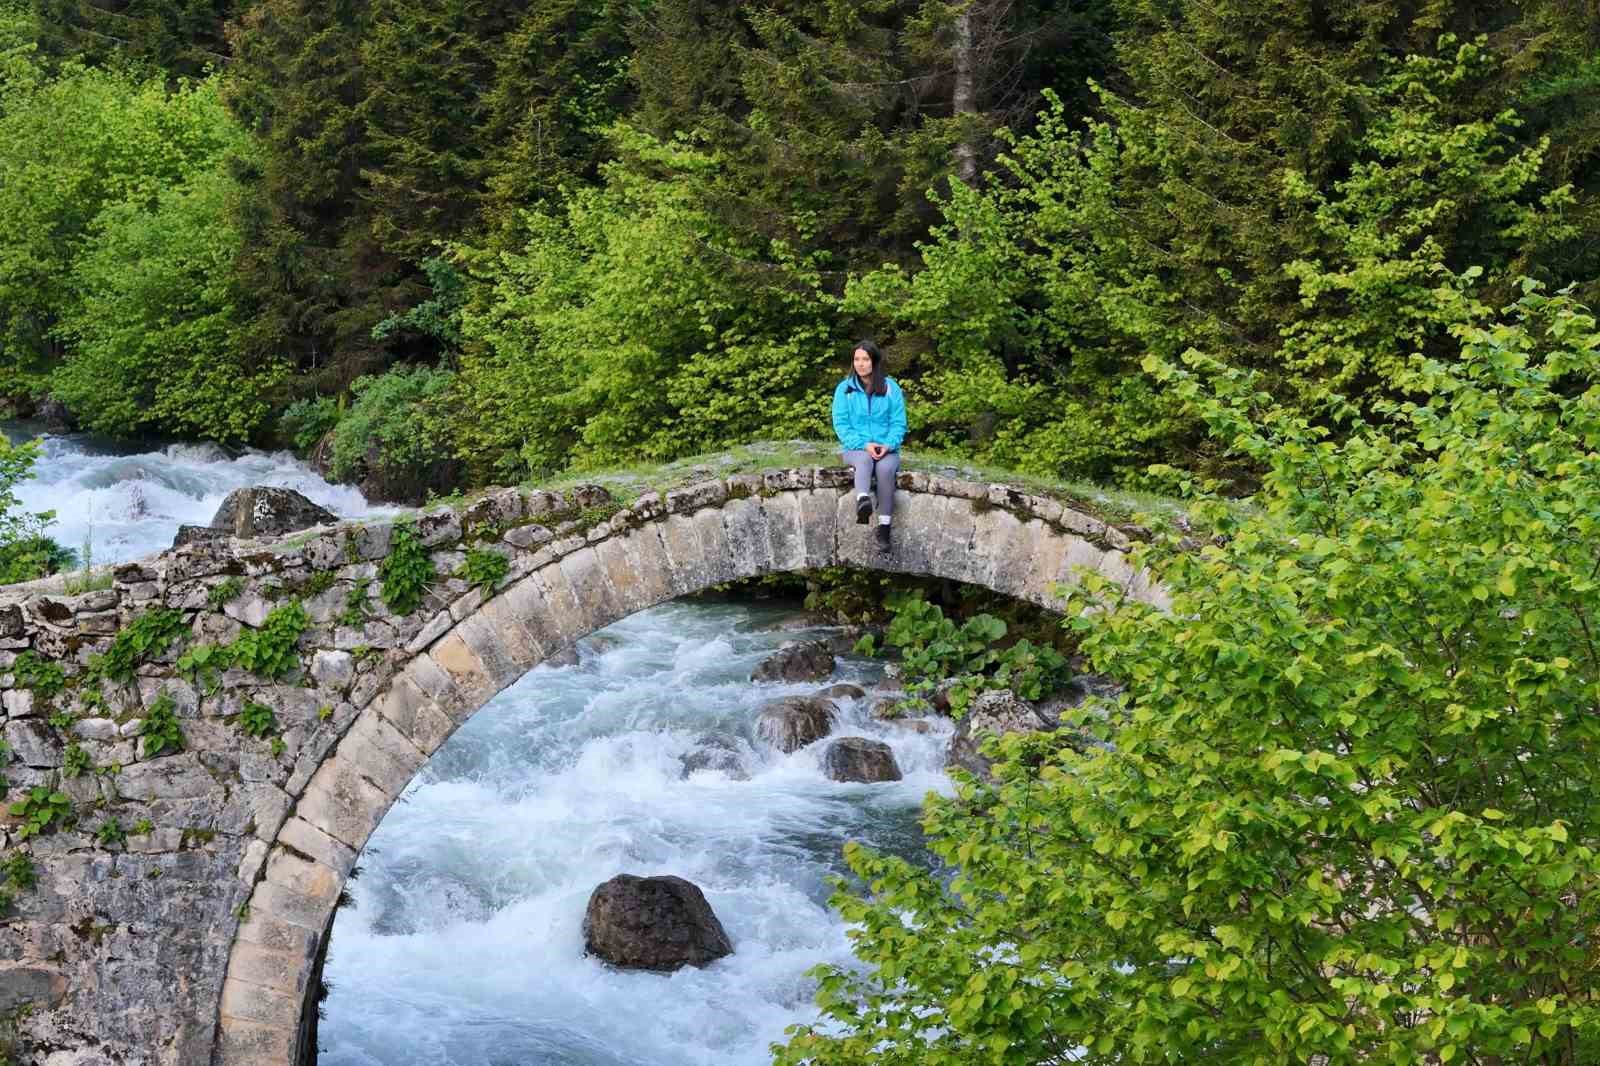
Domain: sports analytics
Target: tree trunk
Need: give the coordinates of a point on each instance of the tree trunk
(964, 98)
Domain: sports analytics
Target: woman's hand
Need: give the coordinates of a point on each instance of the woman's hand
(877, 451)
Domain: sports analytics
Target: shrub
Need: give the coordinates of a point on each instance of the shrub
(1344, 811)
(305, 422)
(391, 432)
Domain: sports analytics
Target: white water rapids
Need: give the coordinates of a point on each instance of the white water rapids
(465, 947)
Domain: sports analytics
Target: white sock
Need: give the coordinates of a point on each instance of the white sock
(863, 495)
(884, 520)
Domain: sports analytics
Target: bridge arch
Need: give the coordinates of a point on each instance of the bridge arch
(359, 731)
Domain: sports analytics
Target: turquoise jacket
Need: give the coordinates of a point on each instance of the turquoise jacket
(860, 419)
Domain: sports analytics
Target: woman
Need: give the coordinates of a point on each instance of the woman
(869, 415)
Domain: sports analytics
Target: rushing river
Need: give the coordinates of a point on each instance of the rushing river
(465, 945)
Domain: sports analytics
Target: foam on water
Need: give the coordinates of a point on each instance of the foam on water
(129, 505)
(466, 946)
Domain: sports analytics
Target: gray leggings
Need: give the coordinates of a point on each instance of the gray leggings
(887, 468)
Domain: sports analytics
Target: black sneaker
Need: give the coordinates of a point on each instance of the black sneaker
(863, 509)
(883, 537)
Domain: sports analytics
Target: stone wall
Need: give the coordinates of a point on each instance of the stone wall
(177, 916)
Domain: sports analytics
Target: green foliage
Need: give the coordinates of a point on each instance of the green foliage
(25, 552)
(44, 676)
(225, 591)
(320, 582)
(305, 422)
(392, 431)
(200, 663)
(483, 568)
(160, 728)
(273, 649)
(636, 324)
(154, 334)
(406, 571)
(140, 640)
(111, 834)
(62, 721)
(142, 827)
(936, 648)
(1343, 811)
(41, 810)
(17, 874)
(258, 720)
(355, 603)
(74, 761)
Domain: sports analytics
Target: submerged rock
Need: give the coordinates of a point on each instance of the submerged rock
(715, 753)
(842, 691)
(859, 759)
(653, 923)
(797, 660)
(791, 723)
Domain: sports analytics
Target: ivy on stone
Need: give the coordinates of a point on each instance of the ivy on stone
(160, 729)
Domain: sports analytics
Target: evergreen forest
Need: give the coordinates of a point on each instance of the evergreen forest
(441, 245)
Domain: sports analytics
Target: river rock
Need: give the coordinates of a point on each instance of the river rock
(265, 511)
(843, 691)
(859, 759)
(990, 713)
(715, 753)
(653, 923)
(197, 534)
(793, 722)
(796, 660)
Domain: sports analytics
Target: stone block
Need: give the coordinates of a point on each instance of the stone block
(568, 618)
(1049, 549)
(591, 589)
(268, 805)
(1080, 555)
(629, 590)
(241, 1042)
(313, 886)
(647, 557)
(33, 743)
(714, 546)
(685, 558)
(746, 523)
(785, 531)
(178, 776)
(380, 753)
(280, 971)
(19, 703)
(962, 490)
(833, 477)
(439, 527)
(499, 508)
(256, 1003)
(949, 555)
(273, 933)
(307, 839)
(466, 670)
(819, 527)
(333, 669)
(502, 647)
(787, 480)
(342, 803)
(693, 497)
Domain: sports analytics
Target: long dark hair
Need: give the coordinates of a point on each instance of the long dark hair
(879, 384)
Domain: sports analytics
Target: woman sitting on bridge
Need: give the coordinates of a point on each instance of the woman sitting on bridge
(869, 415)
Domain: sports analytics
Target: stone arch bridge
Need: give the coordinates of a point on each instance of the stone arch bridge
(180, 895)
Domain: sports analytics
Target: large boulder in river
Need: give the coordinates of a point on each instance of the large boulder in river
(793, 722)
(264, 511)
(859, 759)
(796, 660)
(653, 923)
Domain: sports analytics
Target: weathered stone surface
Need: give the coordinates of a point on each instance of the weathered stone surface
(842, 691)
(859, 759)
(991, 713)
(796, 660)
(653, 923)
(791, 723)
(264, 511)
